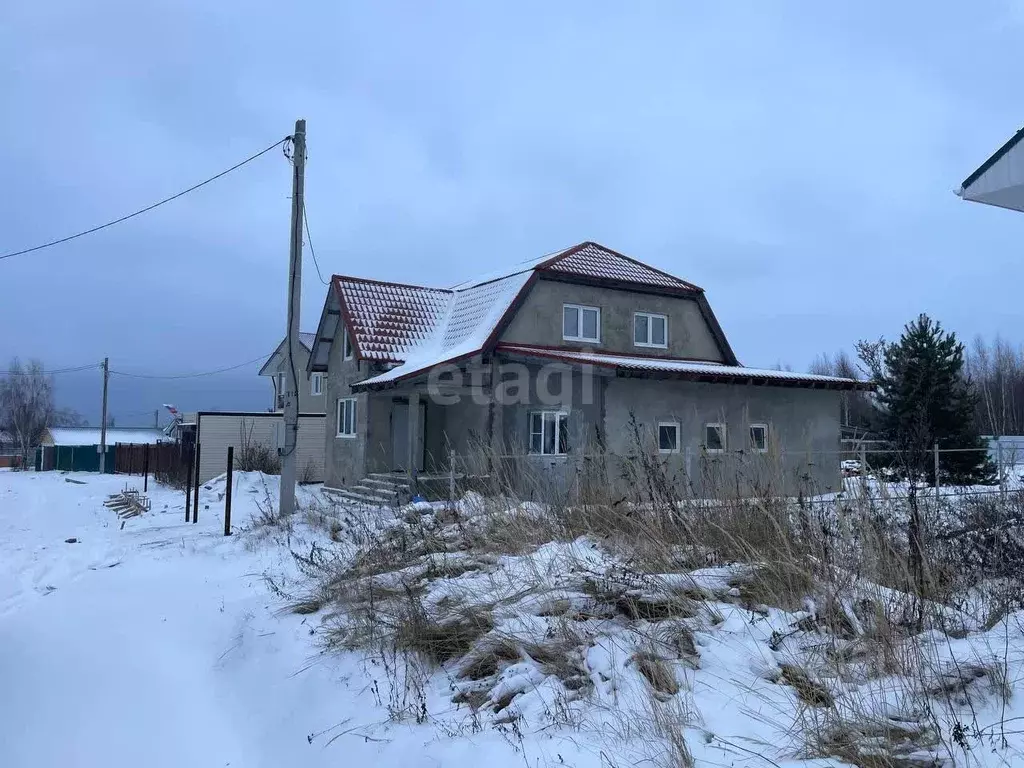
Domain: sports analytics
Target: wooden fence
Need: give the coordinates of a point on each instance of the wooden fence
(167, 462)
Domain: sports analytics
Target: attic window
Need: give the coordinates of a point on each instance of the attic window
(346, 346)
(650, 330)
(581, 323)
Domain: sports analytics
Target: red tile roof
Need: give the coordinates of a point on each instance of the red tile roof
(421, 327)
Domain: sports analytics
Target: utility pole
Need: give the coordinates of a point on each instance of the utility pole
(291, 394)
(103, 417)
(156, 419)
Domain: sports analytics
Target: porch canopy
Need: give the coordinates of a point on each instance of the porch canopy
(999, 181)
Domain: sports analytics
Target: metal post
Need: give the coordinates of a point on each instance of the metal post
(863, 467)
(451, 475)
(227, 491)
(188, 493)
(936, 473)
(103, 417)
(145, 468)
(195, 500)
(413, 455)
(999, 459)
(291, 401)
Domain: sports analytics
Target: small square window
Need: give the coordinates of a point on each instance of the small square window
(714, 438)
(316, 384)
(759, 437)
(346, 417)
(650, 330)
(581, 323)
(668, 437)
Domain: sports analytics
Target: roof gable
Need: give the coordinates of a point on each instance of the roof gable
(420, 327)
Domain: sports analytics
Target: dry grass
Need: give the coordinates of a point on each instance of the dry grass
(843, 566)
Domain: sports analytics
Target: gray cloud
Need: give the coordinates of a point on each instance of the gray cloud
(796, 161)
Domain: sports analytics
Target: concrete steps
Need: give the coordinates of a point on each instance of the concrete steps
(378, 489)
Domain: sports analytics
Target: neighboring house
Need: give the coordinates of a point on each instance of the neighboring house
(10, 452)
(311, 396)
(608, 353)
(90, 436)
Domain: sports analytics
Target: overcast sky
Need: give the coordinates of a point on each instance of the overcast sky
(796, 160)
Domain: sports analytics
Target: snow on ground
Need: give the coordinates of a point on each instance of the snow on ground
(161, 643)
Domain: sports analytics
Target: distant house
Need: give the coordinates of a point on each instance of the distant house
(78, 448)
(80, 436)
(10, 453)
(311, 385)
(603, 350)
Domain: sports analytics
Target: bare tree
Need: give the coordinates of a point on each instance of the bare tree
(997, 370)
(26, 404)
(857, 410)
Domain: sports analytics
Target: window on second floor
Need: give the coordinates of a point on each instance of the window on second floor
(346, 349)
(650, 330)
(316, 384)
(581, 323)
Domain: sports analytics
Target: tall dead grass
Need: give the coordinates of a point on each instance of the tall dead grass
(840, 561)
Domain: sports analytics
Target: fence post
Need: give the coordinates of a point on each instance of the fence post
(188, 494)
(936, 451)
(195, 501)
(999, 460)
(451, 475)
(227, 491)
(145, 469)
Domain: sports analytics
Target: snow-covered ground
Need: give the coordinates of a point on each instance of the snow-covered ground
(163, 643)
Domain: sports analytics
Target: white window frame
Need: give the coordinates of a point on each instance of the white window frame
(767, 437)
(552, 420)
(580, 309)
(343, 421)
(316, 384)
(347, 349)
(650, 330)
(675, 426)
(723, 428)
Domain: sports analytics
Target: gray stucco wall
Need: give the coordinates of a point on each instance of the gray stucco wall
(308, 402)
(345, 458)
(803, 431)
(539, 320)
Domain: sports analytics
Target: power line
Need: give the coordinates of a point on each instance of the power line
(190, 375)
(147, 208)
(45, 372)
(309, 239)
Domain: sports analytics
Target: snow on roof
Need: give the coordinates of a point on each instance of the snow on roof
(419, 327)
(594, 261)
(473, 316)
(391, 320)
(91, 435)
(697, 369)
(307, 339)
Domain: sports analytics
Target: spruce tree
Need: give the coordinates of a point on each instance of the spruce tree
(925, 397)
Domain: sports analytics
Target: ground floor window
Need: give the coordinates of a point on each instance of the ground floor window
(549, 432)
(759, 437)
(668, 437)
(714, 438)
(346, 417)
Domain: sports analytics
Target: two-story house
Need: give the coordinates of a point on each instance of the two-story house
(311, 386)
(583, 351)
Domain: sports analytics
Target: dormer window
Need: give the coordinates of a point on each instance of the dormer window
(580, 323)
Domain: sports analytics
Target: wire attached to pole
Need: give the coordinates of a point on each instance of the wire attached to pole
(148, 208)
